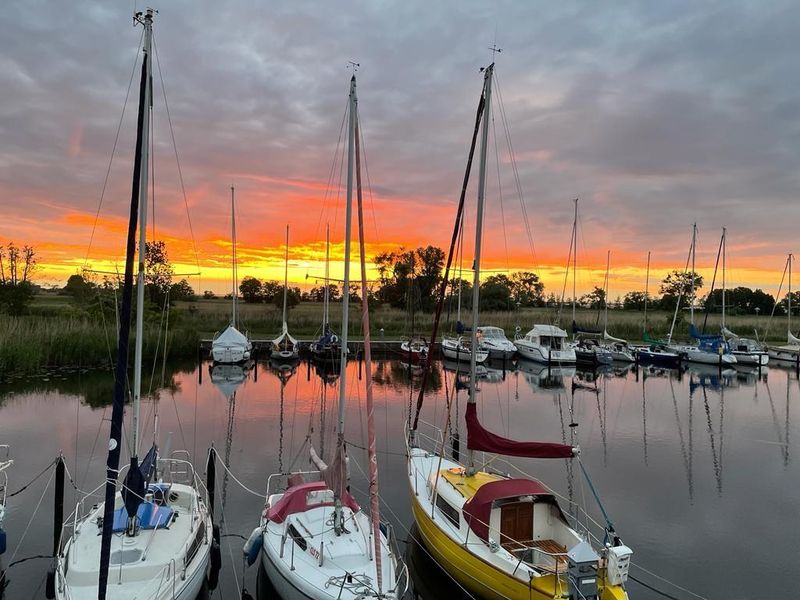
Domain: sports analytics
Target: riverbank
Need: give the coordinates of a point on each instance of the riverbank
(59, 334)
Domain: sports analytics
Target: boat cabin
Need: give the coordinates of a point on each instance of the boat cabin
(303, 497)
(547, 336)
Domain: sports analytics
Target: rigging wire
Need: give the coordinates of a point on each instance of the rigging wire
(113, 152)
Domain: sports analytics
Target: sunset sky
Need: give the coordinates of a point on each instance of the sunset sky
(654, 114)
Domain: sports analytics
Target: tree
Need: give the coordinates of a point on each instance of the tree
(527, 289)
(78, 287)
(740, 300)
(208, 295)
(595, 299)
(795, 303)
(293, 296)
(679, 284)
(16, 267)
(453, 291)
(271, 291)
(634, 301)
(317, 294)
(158, 271)
(413, 274)
(250, 289)
(182, 291)
(496, 293)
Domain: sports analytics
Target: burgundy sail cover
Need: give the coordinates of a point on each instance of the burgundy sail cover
(479, 438)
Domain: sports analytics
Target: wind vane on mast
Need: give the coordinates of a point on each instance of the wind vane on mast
(353, 65)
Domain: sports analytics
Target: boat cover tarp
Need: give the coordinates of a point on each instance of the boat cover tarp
(477, 510)
(705, 337)
(148, 516)
(481, 439)
(231, 338)
(295, 500)
(576, 330)
(461, 328)
(610, 338)
(651, 340)
(284, 335)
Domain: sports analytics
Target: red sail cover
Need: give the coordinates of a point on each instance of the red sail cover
(479, 438)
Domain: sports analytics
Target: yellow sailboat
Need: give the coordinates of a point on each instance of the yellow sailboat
(502, 538)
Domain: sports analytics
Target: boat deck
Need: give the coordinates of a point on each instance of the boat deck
(467, 486)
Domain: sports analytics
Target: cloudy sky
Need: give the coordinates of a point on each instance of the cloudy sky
(654, 114)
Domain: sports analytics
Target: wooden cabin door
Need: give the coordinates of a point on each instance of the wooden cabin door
(516, 525)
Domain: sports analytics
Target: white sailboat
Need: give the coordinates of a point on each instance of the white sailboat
(326, 348)
(285, 347)
(231, 346)
(316, 541)
(746, 350)
(789, 352)
(153, 538)
(619, 348)
(503, 537)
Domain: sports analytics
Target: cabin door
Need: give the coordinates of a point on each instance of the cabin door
(516, 525)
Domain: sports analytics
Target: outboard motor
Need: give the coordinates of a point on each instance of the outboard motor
(582, 569)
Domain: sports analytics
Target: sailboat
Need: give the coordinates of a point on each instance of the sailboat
(414, 350)
(585, 342)
(285, 347)
(789, 352)
(619, 349)
(502, 537)
(656, 351)
(746, 350)
(316, 541)
(231, 345)
(153, 538)
(326, 348)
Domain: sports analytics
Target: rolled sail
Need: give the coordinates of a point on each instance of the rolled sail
(481, 439)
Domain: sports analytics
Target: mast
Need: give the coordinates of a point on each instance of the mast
(694, 241)
(646, 290)
(574, 257)
(351, 135)
(326, 293)
(234, 274)
(372, 452)
(138, 211)
(789, 320)
(285, 276)
(605, 295)
(724, 250)
(476, 280)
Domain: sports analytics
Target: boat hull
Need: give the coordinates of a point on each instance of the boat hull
(230, 356)
(758, 359)
(462, 354)
(785, 356)
(709, 358)
(492, 583)
(540, 355)
(661, 359)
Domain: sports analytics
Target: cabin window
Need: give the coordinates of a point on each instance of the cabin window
(447, 510)
(298, 539)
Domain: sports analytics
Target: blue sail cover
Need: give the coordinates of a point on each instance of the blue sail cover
(715, 344)
(137, 480)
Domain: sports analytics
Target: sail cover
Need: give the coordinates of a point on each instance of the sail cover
(576, 330)
(137, 479)
(479, 438)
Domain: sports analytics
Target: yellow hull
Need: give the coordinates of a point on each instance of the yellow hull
(482, 578)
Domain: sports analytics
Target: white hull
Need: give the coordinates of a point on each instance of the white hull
(229, 356)
(759, 359)
(499, 353)
(784, 355)
(284, 354)
(709, 358)
(160, 576)
(622, 355)
(458, 352)
(539, 354)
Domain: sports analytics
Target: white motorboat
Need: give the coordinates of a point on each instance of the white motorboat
(494, 341)
(458, 348)
(546, 344)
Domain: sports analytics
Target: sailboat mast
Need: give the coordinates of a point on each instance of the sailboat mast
(140, 282)
(351, 136)
(574, 258)
(138, 197)
(234, 274)
(724, 250)
(326, 293)
(789, 320)
(476, 280)
(605, 295)
(285, 275)
(646, 290)
(694, 242)
(372, 451)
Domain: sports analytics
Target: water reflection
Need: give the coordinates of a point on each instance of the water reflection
(675, 454)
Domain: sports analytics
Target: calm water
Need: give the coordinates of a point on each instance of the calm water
(698, 471)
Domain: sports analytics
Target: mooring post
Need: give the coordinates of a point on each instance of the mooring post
(58, 505)
(211, 478)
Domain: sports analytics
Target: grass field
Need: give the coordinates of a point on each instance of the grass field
(60, 333)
